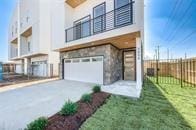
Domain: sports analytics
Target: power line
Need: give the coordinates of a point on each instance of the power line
(183, 40)
(172, 14)
(181, 25)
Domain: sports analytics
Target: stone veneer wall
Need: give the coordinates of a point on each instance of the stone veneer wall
(116, 64)
(112, 60)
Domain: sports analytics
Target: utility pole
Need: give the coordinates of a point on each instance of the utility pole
(158, 52)
(185, 56)
(167, 53)
(155, 54)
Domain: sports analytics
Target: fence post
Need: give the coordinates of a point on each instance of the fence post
(157, 75)
(181, 73)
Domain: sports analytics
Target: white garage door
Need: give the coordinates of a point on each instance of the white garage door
(84, 69)
(39, 68)
(19, 69)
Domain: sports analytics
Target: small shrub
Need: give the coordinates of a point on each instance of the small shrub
(96, 89)
(86, 98)
(38, 124)
(69, 108)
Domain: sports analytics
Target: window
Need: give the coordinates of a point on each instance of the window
(27, 19)
(29, 46)
(82, 27)
(86, 60)
(67, 61)
(97, 59)
(39, 62)
(122, 12)
(120, 3)
(12, 31)
(99, 18)
(76, 61)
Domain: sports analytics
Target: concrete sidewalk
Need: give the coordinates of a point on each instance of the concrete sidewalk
(123, 88)
(21, 85)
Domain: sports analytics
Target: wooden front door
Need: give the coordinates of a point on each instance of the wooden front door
(129, 66)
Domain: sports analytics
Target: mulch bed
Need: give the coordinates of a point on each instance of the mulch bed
(85, 110)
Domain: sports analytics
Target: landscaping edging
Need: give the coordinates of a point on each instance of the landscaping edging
(85, 110)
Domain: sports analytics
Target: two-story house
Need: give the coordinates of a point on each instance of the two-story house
(30, 38)
(99, 41)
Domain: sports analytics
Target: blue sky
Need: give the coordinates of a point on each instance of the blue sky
(170, 24)
(167, 23)
(6, 9)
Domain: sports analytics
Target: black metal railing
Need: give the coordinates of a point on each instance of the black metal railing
(114, 19)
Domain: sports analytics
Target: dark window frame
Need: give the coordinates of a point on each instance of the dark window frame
(79, 20)
(104, 18)
(115, 17)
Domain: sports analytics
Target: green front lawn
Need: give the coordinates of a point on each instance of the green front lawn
(160, 107)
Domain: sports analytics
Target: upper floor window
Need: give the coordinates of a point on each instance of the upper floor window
(27, 16)
(12, 31)
(16, 25)
(27, 19)
(29, 46)
(120, 3)
(122, 12)
(99, 18)
(82, 27)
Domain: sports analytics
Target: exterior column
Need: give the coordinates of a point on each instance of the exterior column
(139, 63)
(27, 65)
(18, 28)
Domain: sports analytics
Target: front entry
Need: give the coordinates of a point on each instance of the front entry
(129, 66)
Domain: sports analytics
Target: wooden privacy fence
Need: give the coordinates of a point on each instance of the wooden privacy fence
(171, 71)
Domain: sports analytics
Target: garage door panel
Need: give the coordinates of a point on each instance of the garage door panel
(39, 68)
(96, 70)
(84, 71)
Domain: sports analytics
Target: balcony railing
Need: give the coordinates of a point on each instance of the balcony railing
(114, 19)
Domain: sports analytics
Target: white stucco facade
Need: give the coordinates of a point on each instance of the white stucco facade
(30, 34)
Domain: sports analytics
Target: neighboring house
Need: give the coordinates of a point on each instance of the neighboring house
(30, 39)
(99, 41)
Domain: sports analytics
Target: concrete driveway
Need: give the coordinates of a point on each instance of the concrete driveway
(20, 106)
